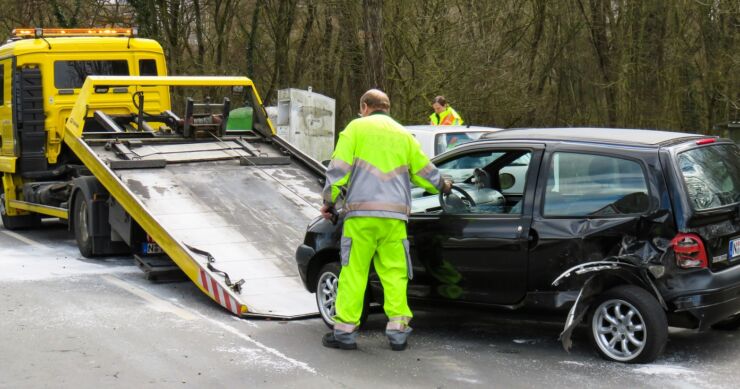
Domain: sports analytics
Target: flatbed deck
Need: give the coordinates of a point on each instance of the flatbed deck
(249, 217)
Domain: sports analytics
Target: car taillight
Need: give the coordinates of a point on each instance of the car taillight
(690, 252)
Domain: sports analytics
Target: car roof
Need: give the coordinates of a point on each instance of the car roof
(446, 129)
(621, 136)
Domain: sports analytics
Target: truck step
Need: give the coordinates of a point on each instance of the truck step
(159, 268)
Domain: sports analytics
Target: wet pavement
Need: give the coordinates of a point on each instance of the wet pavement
(74, 322)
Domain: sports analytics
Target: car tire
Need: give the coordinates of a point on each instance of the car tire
(81, 225)
(732, 323)
(627, 324)
(326, 294)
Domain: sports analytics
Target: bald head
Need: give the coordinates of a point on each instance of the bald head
(375, 100)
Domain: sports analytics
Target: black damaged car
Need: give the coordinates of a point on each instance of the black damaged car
(626, 231)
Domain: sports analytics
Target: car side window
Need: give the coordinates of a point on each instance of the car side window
(494, 179)
(580, 185)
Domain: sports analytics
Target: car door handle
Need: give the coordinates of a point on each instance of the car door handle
(520, 234)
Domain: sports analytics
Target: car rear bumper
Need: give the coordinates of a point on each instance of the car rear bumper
(718, 299)
(303, 256)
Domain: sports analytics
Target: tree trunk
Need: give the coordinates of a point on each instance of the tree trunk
(598, 29)
(373, 23)
(300, 55)
(200, 64)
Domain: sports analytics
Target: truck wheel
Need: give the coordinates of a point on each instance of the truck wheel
(628, 325)
(732, 323)
(326, 294)
(18, 222)
(81, 225)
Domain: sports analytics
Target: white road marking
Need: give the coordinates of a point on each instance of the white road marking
(24, 239)
(234, 331)
(156, 303)
(165, 306)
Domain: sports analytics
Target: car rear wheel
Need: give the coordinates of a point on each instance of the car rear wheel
(326, 294)
(628, 325)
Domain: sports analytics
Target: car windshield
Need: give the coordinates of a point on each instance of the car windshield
(450, 140)
(712, 175)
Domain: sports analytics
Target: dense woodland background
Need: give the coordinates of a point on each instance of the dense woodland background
(671, 64)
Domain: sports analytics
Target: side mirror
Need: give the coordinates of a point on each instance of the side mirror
(507, 180)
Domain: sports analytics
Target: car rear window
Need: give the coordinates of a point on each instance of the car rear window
(72, 74)
(581, 185)
(711, 175)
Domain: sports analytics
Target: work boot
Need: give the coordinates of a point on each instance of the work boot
(399, 346)
(331, 341)
(398, 331)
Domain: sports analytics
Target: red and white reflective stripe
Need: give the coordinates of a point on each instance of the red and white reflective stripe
(218, 293)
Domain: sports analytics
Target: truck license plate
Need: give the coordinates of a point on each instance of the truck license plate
(152, 248)
(734, 248)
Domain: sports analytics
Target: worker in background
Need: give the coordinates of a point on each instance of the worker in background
(443, 114)
(382, 158)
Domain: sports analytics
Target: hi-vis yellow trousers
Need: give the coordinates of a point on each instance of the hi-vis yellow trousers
(381, 241)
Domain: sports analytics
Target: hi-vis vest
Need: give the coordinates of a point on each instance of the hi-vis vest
(375, 160)
(448, 117)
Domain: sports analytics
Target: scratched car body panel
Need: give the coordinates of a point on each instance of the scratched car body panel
(601, 224)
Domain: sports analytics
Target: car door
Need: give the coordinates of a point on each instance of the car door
(589, 199)
(476, 254)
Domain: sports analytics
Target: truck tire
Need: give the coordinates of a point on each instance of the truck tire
(326, 294)
(628, 325)
(81, 224)
(18, 222)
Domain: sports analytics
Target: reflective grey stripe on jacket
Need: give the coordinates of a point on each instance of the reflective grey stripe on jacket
(432, 174)
(336, 170)
(371, 190)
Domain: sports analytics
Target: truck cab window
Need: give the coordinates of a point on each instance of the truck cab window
(147, 67)
(72, 74)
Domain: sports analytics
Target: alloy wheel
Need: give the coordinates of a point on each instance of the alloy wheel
(326, 294)
(619, 330)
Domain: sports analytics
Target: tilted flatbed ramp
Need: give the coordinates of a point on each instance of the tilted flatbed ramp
(223, 209)
(250, 219)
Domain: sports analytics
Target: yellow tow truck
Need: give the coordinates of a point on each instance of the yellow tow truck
(89, 135)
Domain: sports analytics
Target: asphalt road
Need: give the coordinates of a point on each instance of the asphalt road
(70, 322)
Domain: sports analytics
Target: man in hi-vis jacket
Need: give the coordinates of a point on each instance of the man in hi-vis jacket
(375, 160)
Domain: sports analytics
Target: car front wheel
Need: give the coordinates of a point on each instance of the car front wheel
(628, 325)
(326, 294)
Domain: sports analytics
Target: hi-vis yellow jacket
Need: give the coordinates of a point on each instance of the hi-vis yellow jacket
(375, 160)
(448, 117)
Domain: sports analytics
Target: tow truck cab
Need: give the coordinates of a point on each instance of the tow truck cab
(41, 73)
